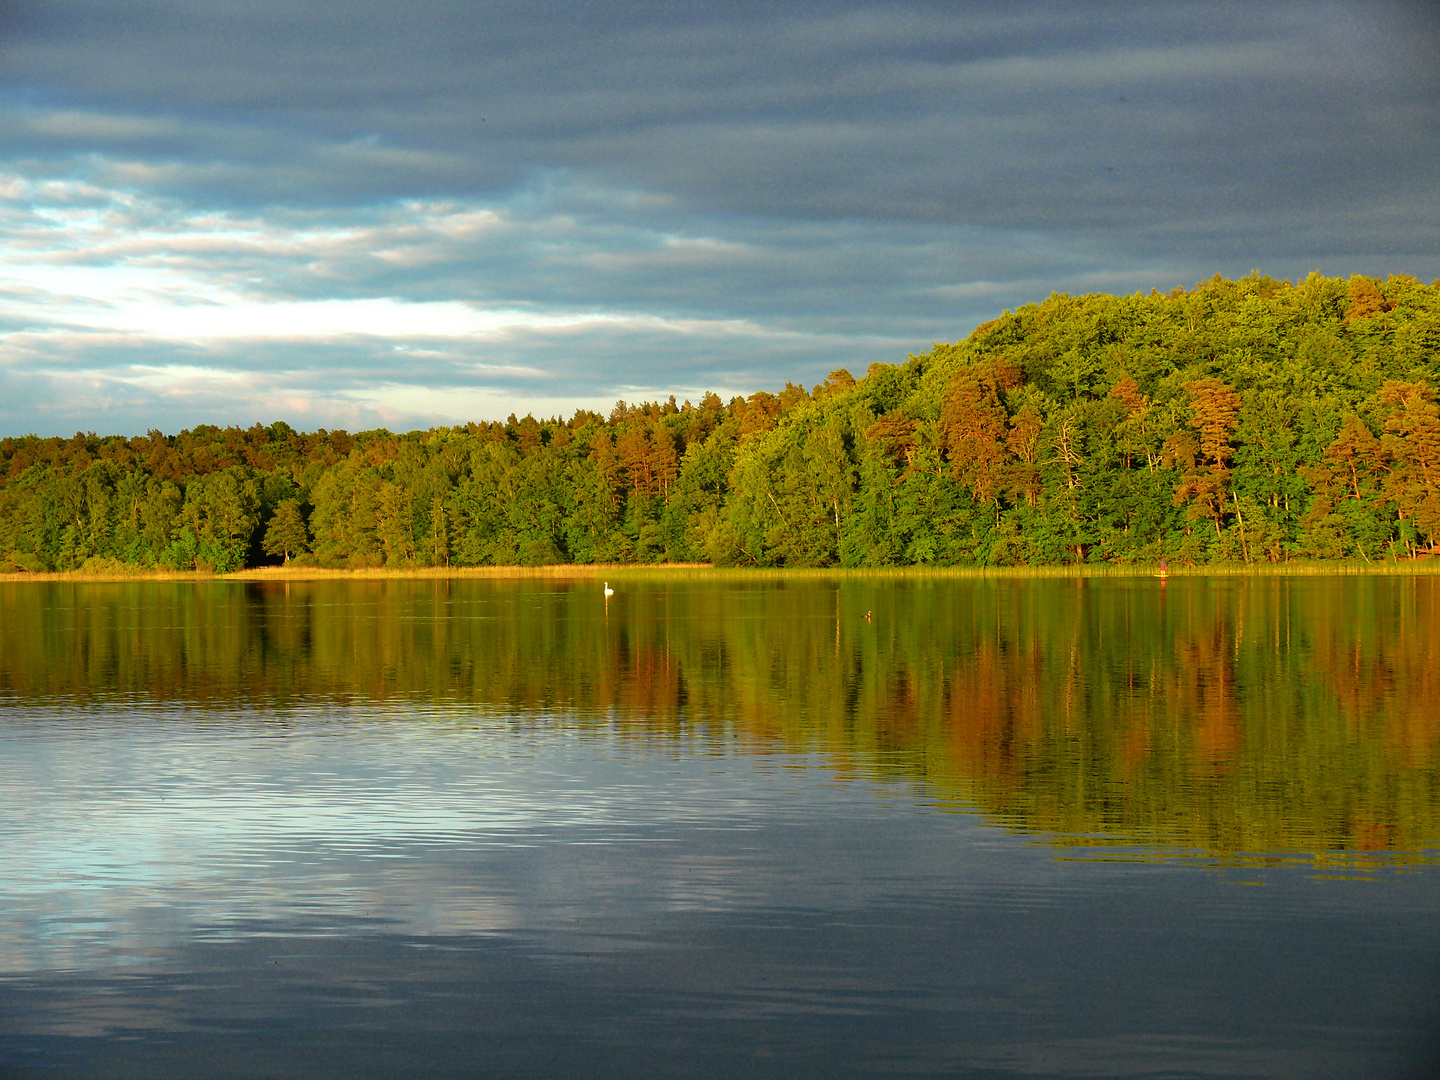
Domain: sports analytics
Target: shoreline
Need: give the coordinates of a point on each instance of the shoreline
(575, 571)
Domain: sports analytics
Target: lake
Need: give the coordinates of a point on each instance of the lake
(721, 825)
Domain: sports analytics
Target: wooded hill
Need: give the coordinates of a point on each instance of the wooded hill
(1241, 421)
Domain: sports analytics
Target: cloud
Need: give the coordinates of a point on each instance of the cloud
(579, 191)
(958, 113)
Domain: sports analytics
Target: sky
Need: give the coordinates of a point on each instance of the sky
(349, 214)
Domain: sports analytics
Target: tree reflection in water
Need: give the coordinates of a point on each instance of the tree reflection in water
(1224, 717)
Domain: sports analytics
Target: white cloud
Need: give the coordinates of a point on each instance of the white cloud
(76, 254)
(127, 308)
(243, 320)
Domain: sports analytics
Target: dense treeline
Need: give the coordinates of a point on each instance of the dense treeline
(1250, 420)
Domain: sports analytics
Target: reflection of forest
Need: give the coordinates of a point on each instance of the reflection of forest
(1221, 715)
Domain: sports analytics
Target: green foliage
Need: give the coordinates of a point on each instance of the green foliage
(1241, 421)
(287, 534)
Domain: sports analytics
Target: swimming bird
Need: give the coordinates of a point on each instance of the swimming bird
(608, 590)
(867, 616)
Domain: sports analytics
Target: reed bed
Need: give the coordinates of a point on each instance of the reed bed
(1087, 570)
(631, 571)
(40, 576)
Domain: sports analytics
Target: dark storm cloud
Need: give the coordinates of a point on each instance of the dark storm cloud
(1072, 115)
(890, 173)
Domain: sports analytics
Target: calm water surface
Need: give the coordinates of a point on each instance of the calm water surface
(721, 826)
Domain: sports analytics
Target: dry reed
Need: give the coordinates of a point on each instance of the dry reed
(619, 571)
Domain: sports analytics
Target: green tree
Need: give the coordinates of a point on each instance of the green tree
(287, 533)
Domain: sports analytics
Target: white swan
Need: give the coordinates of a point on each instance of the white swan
(608, 590)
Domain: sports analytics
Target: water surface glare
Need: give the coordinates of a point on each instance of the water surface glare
(721, 826)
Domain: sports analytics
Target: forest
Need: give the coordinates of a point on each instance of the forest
(1250, 421)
